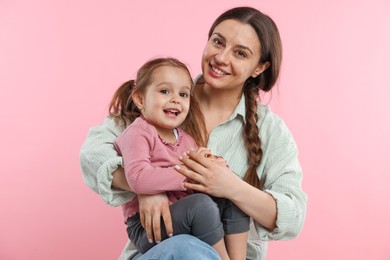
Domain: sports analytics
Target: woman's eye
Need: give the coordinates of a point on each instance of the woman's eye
(217, 42)
(241, 54)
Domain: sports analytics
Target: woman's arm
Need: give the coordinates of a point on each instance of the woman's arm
(218, 180)
(279, 209)
(151, 209)
(101, 164)
(102, 171)
(119, 180)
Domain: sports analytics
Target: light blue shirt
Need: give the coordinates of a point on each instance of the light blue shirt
(279, 170)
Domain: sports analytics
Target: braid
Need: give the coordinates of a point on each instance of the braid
(251, 135)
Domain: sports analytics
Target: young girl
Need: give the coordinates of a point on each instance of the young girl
(160, 107)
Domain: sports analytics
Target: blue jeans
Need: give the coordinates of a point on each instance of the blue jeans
(180, 247)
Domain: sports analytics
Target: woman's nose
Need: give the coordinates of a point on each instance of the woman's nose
(222, 57)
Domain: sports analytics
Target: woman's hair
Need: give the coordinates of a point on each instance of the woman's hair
(270, 51)
(124, 111)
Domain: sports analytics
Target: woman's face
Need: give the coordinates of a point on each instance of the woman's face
(231, 56)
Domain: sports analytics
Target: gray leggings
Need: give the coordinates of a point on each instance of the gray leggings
(198, 215)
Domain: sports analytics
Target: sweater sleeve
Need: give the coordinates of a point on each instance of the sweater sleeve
(147, 170)
(282, 176)
(99, 159)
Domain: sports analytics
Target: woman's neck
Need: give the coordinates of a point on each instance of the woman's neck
(217, 105)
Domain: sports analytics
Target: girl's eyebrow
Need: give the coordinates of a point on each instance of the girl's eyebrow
(164, 83)
(239, 46)
(170, 83)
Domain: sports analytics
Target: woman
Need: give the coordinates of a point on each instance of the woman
(242, 57)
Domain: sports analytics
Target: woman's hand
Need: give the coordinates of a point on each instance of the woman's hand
(208, 173)
(218, 180)
(151, 209)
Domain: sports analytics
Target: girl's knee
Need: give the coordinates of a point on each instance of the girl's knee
(202, 201)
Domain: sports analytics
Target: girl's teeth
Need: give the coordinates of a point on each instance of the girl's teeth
(172, 112)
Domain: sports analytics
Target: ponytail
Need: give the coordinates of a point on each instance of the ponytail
(122, 107)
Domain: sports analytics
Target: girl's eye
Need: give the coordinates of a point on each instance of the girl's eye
(164, 91)
(185, 95)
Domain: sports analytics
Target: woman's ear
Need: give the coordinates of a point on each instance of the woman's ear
(138, 100)
(260, 68)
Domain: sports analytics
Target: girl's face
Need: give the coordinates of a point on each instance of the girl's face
(166, 100)
(231, 56)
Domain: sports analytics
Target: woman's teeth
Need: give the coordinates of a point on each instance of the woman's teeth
(219, 72)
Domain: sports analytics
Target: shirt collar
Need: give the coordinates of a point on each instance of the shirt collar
(240, 109)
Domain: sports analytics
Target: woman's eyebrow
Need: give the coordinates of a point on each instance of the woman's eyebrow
(239, 45)
(220, 35)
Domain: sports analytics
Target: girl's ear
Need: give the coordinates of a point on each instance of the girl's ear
(260, 68)
(138, 100)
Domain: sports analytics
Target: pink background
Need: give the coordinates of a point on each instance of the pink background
(60, 62)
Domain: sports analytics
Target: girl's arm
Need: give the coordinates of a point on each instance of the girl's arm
(147, 163)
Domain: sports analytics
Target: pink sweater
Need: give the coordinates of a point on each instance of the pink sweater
(148, 162)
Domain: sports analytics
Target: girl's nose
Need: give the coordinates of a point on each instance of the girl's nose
(175, 99)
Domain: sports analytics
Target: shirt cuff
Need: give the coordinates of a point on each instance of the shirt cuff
(113, 197)
(285, 220)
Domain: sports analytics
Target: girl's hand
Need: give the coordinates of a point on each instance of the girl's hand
(208, 176)
(208, 154)
(151, 209)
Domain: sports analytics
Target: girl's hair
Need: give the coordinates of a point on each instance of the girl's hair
(124, 111)
(270, 51)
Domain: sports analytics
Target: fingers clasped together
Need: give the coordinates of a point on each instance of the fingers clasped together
(205, 171)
